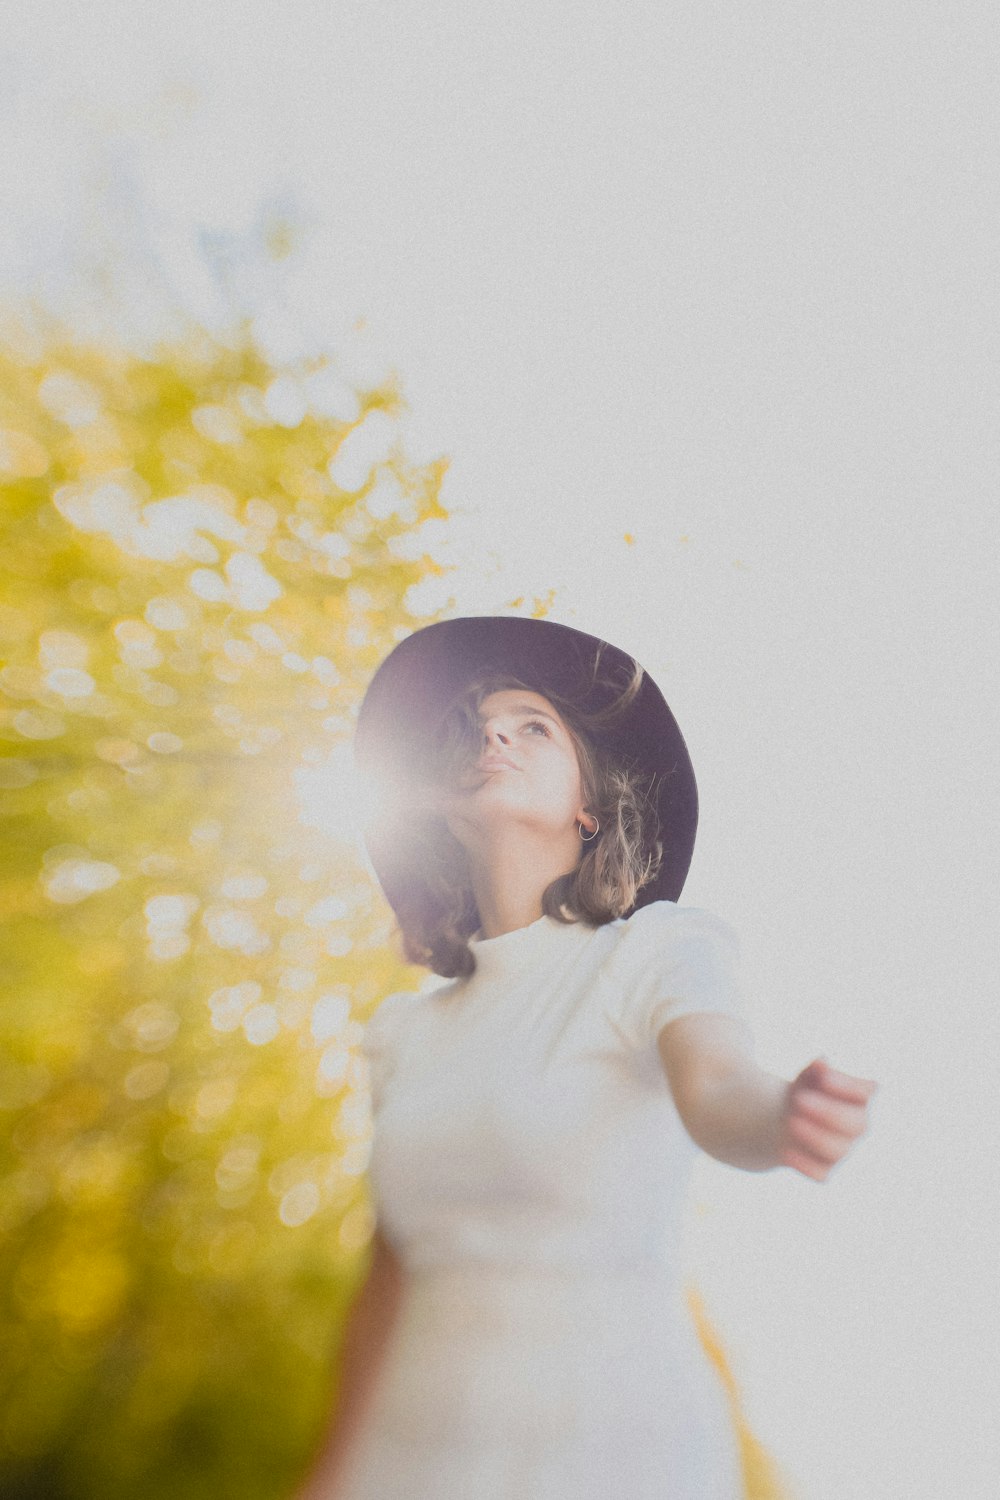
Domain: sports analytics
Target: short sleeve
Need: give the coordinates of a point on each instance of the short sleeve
(673, 961)
(380, 1041)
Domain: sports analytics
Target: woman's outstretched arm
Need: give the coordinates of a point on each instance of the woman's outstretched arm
(743, 1115)
(366, 1338)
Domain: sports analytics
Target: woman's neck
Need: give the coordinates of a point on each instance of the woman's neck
(510, 877)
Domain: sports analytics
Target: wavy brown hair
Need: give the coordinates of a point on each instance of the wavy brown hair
(438, 913)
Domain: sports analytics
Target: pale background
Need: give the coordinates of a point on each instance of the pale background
(722, 279)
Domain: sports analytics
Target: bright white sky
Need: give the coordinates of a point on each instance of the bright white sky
(723, 278)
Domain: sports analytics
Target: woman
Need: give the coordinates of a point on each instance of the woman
(522, 1332)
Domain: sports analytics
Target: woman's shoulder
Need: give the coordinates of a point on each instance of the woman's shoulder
(664, 923)
(387, 1016)
(670, 960)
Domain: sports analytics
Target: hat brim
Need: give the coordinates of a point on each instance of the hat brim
(421, 677)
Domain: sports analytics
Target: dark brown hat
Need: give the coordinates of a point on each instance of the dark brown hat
(422, 676)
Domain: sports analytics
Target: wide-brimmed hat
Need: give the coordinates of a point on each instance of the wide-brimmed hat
(421, 677)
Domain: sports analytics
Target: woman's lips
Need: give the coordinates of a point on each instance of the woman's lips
(496, 763)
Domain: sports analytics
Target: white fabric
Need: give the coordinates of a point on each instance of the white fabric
(530, 1168)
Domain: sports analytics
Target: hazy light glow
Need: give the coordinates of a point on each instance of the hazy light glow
(337, 798)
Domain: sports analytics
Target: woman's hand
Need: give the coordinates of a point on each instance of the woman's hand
(824, 1113)
(751, 1118)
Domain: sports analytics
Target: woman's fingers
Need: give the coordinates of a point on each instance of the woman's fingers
(849, 1119)
(807, 1165)
(846, 1086)
(826, 1112)
(828, 1146)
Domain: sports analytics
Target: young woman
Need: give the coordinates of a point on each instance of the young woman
(522, 1332)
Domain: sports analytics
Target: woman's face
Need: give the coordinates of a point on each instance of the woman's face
(526, 768)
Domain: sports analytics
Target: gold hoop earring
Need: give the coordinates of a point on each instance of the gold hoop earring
(589, 838)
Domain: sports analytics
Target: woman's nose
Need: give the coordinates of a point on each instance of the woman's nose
(495, 735)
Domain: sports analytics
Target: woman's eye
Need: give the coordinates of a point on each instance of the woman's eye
(537, 724)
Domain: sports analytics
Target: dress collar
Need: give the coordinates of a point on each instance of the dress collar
(525, 948)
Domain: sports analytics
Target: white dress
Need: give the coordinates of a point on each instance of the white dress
(530, 1168)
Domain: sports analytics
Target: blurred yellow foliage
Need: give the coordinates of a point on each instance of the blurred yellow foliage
(203, 560)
